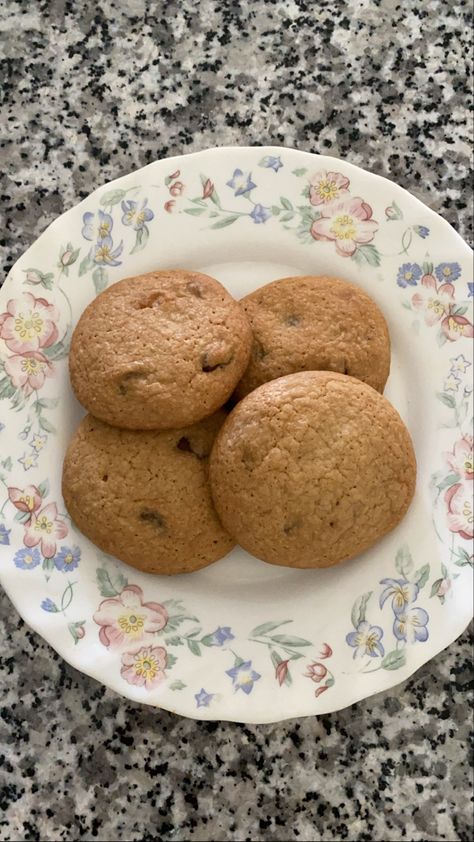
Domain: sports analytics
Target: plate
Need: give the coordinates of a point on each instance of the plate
(242, 640)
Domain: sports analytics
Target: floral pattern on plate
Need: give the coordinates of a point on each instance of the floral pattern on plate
(149, 637)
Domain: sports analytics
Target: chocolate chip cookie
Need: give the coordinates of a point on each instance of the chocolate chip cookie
(311, 469)
(315, 324)
(159, 351)
(143, 495)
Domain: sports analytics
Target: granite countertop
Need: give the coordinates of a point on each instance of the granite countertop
(90, 94)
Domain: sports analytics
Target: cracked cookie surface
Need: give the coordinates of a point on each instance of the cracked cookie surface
(159, 351)
(313, 323)
(311, 469)
(144, 496)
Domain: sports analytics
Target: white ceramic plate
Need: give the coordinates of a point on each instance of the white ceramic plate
(243, 640)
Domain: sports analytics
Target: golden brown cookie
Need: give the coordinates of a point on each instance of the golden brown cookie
(315, 324)
(159, 351)
(311, 469)
(144, 496)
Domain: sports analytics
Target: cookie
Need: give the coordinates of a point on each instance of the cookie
(143, 495)
(315, 324)
(159, 351)
(311, 469)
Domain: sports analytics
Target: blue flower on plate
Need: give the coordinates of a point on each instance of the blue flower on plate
(260, 214)
(221, 635)
(410, 625)
(99, 229)
(67, 559)
(271, 162)
(448, 272)
(48, 605)
(422, 231)
(366, 640)
(470, 289)
(243, 676)
(203, 699)
(403, 593)
(4, 535)
(2, 426)
(409, 274)
(104, 253)
(241, 183)
(26, 558)
(135, 217)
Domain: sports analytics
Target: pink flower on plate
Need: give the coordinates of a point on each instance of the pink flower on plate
(346, 222)
(325, 187)
(461, 460)
(325, 652)
(26, 500)
(45, 528)
(28, 371)
(127, 618)
(316, 672)
(177, 188)
(456, 326)
(28, 324)
(460, 514)
(320, 690)
(144, 666)
(435, 300)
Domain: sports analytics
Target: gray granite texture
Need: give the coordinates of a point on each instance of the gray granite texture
(91, 92)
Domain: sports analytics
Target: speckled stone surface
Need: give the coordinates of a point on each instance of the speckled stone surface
(91, 93)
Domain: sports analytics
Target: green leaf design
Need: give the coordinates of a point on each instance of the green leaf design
(46, 425)
(275, 210)
(286, 217)
(299, 171)
(194, 647)
(441, 339)
(208, 640)
(175, 620)
(285, 203)
(112, 197)
(48, 564)
(394, 660)
(85, 264)
(451, 479)
(7, 389)
(141, 239)
(108, 584)
(22, 516)
(448, 400)
(7, 463)
(170, 660)
(99, 276)
(367, 254)
(434, 587)
(43, 488)
(404, 561)
(330, 682)
(47, 403)
(463, 558)
(223, 223)
(265, 628)
(421, 576)
(177, 685)
(173, 605)
(459, 311)
(195, 211)
(174, 641)
(290, 640)
(359, 609)
(444, 570)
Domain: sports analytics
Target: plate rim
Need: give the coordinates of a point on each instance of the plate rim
(206, 714)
